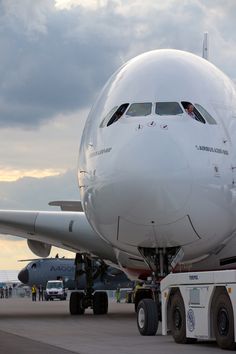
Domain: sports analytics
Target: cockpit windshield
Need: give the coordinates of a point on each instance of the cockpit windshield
(168, 109)
(139, 109)
(142, 109)
(116, 114)
(205, 114)
(108, 117)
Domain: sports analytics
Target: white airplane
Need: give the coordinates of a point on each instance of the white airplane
(157, 173)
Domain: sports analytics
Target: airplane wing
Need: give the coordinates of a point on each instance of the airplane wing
(64, 229)
(68, 205)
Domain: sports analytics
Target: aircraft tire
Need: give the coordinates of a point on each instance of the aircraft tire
(100, 303)
(76, 306)
(178, 320)
(147, 317)
(223, 322)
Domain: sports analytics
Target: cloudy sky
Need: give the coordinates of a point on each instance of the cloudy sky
(55, 57)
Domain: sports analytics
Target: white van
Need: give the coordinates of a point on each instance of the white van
(55, 290)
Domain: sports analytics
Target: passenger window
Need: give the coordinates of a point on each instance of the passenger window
(205, 114)
(118, 114)
(168, 108)
(108, 117)
(139, 109)
(192, 111)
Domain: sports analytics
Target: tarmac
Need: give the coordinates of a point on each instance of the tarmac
(28, 327)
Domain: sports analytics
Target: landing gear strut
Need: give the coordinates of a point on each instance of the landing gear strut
(147, 299)
(81, 300)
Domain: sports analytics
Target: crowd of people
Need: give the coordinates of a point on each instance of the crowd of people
(5, 292)
(36, 292)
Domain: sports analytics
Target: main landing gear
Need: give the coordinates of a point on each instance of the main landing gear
(81, 300)
(147, 298)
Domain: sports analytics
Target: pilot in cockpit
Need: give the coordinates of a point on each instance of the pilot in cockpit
(190, 112)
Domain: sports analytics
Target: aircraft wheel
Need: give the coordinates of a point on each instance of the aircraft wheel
(147, 317)
(178, 319)
(76, 303)
(223, 322)
(100, 303)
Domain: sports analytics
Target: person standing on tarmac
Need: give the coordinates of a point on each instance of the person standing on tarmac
(33, 292)
(137, 287)
(40, 289)
(117, 295)
(6, 292)
(10, 291)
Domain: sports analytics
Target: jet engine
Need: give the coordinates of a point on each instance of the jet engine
(41, 249)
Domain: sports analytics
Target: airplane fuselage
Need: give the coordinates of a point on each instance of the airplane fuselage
(39, 272)
(150, 175)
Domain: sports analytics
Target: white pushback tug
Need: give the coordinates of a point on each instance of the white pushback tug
(200, 305)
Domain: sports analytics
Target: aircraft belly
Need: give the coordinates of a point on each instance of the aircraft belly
(177, 233)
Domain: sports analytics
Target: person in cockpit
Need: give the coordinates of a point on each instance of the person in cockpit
(190, 112)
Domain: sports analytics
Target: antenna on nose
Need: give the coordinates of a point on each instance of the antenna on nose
(205, 48)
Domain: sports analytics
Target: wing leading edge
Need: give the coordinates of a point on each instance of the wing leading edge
(68, 230)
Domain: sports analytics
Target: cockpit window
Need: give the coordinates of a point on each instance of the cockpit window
(108, 117)
(34, 266)
(139, 109)
(118, 114)
(168, 108)
(205, 114)
(192, 112)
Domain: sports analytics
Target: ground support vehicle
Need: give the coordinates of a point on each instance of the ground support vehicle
(55, 290)
(200, 305)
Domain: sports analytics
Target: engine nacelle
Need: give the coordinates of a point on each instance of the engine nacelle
(41, 249)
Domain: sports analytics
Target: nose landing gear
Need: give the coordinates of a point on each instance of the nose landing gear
(147, 298)
(81, 300)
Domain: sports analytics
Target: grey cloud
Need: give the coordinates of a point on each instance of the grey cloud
(59, 71)
(35, 193)
(26, 16)
(54, 146)
(61, 59)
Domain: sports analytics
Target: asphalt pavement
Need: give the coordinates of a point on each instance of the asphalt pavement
(47, 327)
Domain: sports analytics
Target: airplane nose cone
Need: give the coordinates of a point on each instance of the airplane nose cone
(155, 179)
(23, 276)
